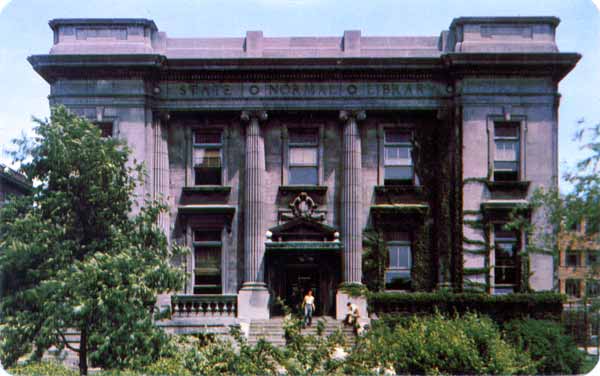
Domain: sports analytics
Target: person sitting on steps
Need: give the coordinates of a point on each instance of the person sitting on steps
(353, 315)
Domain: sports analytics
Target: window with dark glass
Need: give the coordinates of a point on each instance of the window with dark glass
(592, 288)
(592, 258)
(506, 152)
(572, 259)
(397, 275)
(397, 157)
(506, 250)
(572, 288)
(207, 159)
(207, 261)
(106, 129)
(303, 156)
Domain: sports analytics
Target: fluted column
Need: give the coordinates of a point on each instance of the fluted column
(254, 233)
(352, 197)
(160, 166)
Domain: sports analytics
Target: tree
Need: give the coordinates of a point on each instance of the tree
(74, 256)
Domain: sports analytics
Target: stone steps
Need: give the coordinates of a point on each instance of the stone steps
(272, 330)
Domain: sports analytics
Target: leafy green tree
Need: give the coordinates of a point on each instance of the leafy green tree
(74, 256)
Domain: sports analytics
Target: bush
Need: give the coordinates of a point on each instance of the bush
(42, 369)
(501, 308)
(167, 367)
(552, 350)
(433, 345)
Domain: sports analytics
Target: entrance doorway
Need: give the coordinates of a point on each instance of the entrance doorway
(291, 274)
(298, 281)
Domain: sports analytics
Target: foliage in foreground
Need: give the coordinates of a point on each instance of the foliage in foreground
(433, 345)
(552, 350)
(42, 369)
(73, 257)
(436, 344)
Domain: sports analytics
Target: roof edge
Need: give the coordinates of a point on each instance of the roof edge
(54, 23)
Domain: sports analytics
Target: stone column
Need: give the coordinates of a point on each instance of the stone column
(160, 181)
(253, 298)
(160, 167)
(352, 208)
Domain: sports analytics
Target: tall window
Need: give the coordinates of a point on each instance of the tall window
(207, 157)
(572, 288)
(207, 261)
(572, 259)
(592, 288)
(397, 158)
(506, 153)
(592, 258)
(303, 156)
(506, 250)
(397, 275)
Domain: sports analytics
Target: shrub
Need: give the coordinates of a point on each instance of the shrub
(501, 308)
(552, 350)
(42, 369)
(167, 367)
(433, 345)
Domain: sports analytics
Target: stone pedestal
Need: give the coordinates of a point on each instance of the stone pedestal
(341, 308)
(253, 302)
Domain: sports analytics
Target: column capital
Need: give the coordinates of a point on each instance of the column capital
(246, 116)
(162, 115)
(358, 115)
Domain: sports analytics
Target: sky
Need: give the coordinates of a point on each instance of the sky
(25, 31)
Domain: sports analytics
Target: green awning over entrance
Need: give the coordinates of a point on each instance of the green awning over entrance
(303, 246)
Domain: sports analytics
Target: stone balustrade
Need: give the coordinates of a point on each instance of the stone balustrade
(204, 305)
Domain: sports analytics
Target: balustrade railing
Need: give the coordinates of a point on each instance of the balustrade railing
(204, 305)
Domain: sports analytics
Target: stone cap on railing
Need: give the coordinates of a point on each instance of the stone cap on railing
(102, 35)
(502, 34)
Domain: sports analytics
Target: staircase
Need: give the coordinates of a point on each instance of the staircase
(272, 330)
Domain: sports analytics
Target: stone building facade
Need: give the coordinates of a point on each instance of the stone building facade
(275, 154)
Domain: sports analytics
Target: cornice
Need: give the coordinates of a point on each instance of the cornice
(447, 66)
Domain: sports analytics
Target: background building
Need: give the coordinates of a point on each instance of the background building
(275, 154)
(579, 262)
(12, 184)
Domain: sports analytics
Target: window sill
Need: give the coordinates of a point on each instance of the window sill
(207, 189)
(399, 189)
(303, 188)
(207, 209)
(517, 188)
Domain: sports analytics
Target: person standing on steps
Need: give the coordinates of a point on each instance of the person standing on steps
(309, 307)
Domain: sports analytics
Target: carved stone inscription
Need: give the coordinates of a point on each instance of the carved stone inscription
(278, 90)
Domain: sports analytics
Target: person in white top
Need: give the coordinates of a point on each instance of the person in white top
(309, 307)
(353, 314)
